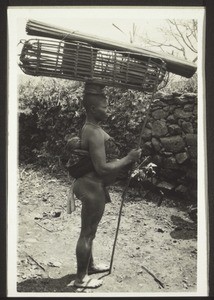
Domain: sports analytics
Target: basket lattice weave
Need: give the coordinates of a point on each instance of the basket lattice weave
(82, 62)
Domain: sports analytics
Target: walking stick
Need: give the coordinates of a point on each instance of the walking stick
(129, 178)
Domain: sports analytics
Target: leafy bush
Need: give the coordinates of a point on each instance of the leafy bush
(50, 112)
(182, 85)
(128, 109)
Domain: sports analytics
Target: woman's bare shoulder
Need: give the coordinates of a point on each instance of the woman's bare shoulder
(92, 132)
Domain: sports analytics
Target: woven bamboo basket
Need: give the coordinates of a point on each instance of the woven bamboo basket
(82, 62)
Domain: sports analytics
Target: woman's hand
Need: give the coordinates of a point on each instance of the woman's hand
(134, 155)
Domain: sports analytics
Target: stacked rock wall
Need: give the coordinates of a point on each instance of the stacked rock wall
(170, 138)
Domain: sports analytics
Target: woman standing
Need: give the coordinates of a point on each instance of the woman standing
(91, 187)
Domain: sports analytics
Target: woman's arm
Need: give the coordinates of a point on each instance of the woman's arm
(98, 155)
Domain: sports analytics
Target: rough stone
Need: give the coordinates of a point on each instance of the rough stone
(191, 140)
(194, 160)
(156, 144)
(167, 154)
(160, 95)
(170, 163)
(195, 127)
(149, 125)
(157, 159)
(174, 129)
(176, 94)
(163, 95)
(180, 114)
(188, 107)
(180, 121)
(166, 108)
(187, 127)
(173, 144)
(191, 174)
(159, 114)
(171, 119)
(167, 97)
(147, 134)
(155, 108)
(195, 110)
(158, 102)
(159, 128)
(170, 174)
(147, 148)
(172, 107)
(180, 100)
(190, 95)
(165, 185)
(171, 139)
(181, 157)
(181, 189)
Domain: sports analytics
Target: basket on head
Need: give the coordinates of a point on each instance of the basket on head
(82, 62)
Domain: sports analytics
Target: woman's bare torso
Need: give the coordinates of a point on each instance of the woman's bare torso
(86, 130)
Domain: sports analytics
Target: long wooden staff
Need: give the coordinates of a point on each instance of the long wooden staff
(130, 175)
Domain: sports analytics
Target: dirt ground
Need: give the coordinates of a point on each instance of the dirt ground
(156, 249)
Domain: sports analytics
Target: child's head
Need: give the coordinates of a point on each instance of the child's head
(73, 143)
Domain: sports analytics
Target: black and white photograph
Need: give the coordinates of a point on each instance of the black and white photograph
(106, 145)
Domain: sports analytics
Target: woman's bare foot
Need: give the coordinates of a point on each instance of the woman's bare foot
(100, 268)
(88, 282)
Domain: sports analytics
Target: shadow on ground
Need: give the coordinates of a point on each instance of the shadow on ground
(184, 229)
(47, 285)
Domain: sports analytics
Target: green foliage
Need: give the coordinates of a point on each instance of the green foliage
(50, 112)
(128, 109)
(182, 85)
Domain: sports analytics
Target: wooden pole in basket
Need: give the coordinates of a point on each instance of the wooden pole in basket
(174, 65)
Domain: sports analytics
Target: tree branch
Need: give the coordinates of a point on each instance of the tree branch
(192, 47)
(181, 35)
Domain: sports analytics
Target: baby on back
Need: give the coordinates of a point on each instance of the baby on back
(74, 143)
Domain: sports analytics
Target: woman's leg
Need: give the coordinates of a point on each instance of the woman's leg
(93, 204)
(96, 267)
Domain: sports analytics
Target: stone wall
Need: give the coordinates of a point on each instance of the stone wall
(170, 138)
